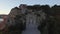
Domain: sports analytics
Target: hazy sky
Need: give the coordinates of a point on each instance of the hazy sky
(7, 5)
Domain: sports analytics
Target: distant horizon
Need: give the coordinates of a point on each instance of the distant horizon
(27, 5)
(3, 14)
(7, 5)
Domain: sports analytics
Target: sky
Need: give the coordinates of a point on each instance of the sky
(7, 5)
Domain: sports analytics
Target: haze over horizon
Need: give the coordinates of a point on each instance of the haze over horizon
(7, 5)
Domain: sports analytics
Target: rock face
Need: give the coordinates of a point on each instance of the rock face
(48, 19)
(51, 24)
